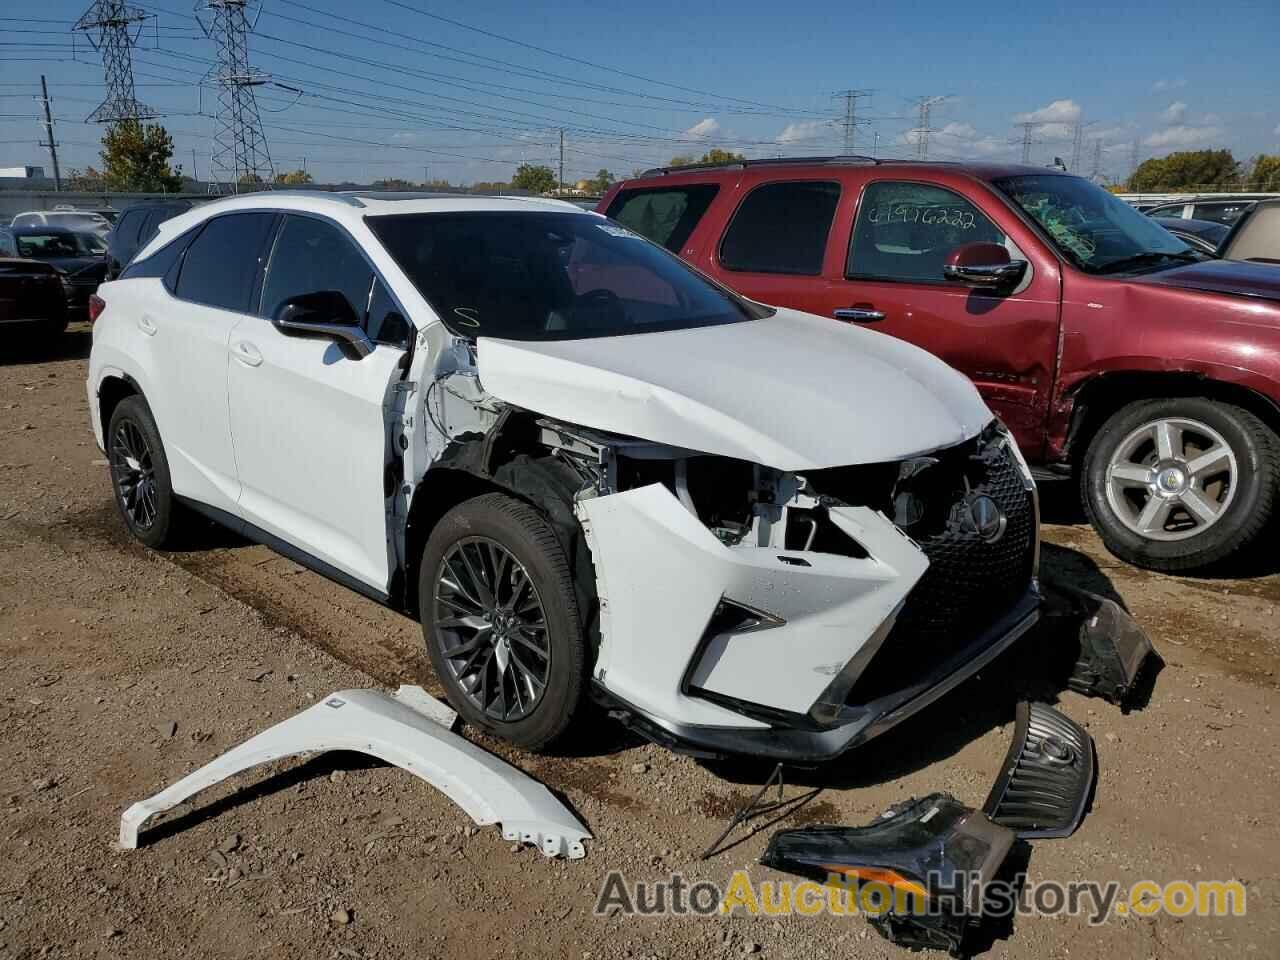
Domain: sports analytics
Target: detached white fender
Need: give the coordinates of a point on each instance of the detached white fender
(403, 729)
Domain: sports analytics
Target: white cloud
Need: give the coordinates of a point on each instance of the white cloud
(1161, 85)
(1183, 135)
(707, 127)
(963, 131)
(807, 130)
(1176, 112)
(1060, 111)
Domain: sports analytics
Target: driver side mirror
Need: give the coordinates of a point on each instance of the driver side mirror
(983, 265)
(325, 313)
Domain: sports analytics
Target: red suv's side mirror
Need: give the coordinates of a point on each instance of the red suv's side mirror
(983, 265)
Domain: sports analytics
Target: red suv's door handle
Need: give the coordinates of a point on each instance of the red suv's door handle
(860, 313)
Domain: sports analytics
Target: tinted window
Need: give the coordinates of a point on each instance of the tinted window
(41, 246)
(385, 323)
(125, 233)
(1221, 212)
(27, 220)
(221, 264)
(312, 255)
(161, 262)
(1172, 210)
(905, 231)
(781, 228)
(8, 247)
(666, 215)
(550, 276)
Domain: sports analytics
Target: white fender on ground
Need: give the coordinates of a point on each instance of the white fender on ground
(406, 730)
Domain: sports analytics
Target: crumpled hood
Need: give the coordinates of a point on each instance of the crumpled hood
(793, 391)
(1239, 277)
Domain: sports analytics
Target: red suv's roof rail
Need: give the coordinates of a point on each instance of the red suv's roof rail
(841, 160)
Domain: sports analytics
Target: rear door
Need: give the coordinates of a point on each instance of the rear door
(183, 338)
(896, 236)
(311, 435)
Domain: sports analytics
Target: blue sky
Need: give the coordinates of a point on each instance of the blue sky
(401, 93)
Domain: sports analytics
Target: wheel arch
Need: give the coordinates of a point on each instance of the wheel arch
(115, 386)
(1096, 399)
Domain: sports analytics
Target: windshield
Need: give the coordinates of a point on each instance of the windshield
(42, 246)
(1092, 228)
(550, 276)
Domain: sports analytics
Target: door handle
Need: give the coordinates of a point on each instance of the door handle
(247, 353)
(860, 314)
(147, 325)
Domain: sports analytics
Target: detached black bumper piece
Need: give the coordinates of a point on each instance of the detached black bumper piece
(1047, 777)
(1114, 651)
(935, 854)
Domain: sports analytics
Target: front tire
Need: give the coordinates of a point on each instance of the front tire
(1182, 483)
(500, 620)
(140, 475)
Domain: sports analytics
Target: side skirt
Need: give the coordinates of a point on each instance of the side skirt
(285, 548)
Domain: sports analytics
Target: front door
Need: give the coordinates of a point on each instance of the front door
(1005, 341)
(307, 414)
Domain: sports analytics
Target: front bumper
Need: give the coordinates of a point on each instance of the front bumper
(855, 725)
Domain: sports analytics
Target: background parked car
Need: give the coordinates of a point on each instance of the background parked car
(79, 258)
(1218, 209)
(1109, 347)
(31, 296)
(137, 225)
(1255, 236)
(1203, 235)
(80, 220)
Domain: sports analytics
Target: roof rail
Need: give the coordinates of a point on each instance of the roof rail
(835, 161)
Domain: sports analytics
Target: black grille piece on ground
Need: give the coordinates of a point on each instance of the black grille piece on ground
(1047, 776)
(970, 582)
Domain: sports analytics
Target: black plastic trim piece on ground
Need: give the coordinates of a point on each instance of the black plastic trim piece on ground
(1047, 777)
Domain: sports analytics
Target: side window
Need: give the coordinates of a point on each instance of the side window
(311, 255)
(26, 220)
(125, 234)
(666, 215)
(162, 263)
(905, 231)
(781, 228)
(386, 324)
(1222, 212)
(221, 264)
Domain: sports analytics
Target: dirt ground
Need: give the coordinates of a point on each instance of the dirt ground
(125, 669)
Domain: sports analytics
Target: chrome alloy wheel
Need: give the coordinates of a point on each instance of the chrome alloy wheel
(134, 473)
(492, 628)
(1171, 479)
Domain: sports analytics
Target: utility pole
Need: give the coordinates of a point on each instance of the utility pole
(922, 131)
(110, 27)
(560, 181)
(195, 171)
(849, 120)
(239, 143)
(48, 133)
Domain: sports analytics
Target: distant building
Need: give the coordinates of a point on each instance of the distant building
(21, 173)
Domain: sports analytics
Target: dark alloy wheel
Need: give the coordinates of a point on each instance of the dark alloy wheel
(140, 475)
(493, 628)
(501, 622)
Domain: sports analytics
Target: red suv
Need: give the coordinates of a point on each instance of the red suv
(1115, 352)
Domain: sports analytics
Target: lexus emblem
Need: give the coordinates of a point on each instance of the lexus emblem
(986, 518)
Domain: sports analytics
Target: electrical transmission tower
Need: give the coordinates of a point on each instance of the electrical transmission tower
(849, 121)
(1096, 173)
(1077, 143)
(112, 28)
(240, 155)
(922, 130)
(1133, 159)
(1027, 140)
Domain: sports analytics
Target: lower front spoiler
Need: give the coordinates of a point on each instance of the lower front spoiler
(855, 724)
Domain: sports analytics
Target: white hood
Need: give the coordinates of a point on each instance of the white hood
(792, 392)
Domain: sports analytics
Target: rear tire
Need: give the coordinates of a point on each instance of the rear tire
(140, 475)
(1182, 483)
(491, 571)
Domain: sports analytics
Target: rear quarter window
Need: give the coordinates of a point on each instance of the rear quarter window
(781, 228)
(665, 215)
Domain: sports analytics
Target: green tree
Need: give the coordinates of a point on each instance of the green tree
(1186, 170)
(714, 155)
(536, 178)
(250, 180)
(602, 180)
(1266, 172)
(135, 157)
(89, 179)
(294, 178)
(394, 183)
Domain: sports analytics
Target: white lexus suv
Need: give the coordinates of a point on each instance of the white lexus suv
(589, 470)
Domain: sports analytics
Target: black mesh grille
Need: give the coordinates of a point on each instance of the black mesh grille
(970, 583)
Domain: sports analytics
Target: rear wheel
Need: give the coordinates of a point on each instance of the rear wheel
(140, 475)
(1182, 483)
(500, 620)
